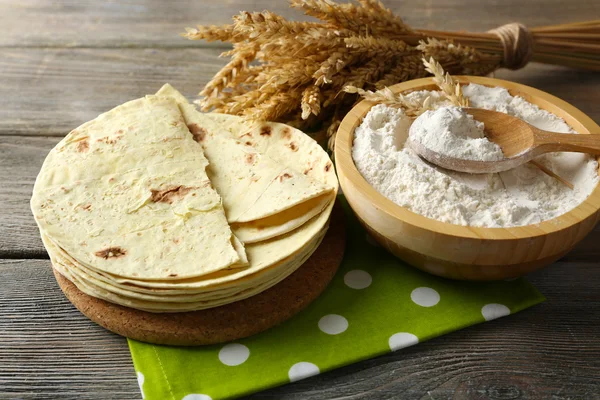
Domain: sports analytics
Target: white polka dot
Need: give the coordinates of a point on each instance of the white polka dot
(197, 397)
(140, 378)
(493, 311)
(233, 354)
(425, 297)
(358, 279)
(401, 340)
(302, 370)
(333, 324)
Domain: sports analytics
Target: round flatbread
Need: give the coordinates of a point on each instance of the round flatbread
(127, 194)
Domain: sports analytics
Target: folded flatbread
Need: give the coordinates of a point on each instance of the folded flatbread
(263, 197)
(127, 194)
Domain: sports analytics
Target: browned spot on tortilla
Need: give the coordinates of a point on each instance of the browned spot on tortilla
(250, 158)
(255, 179)
(328, 167)
(139, 233)
(120, 132)
(111, 252)
(249, 143)
(284, 176)
(169, 195)
(173, 275)
(87, 207)
(286, 133)
(84, 243)
(107, 140)
(174, 123)
(111, 179)
(134, 274)
(265, 130)
(249, 134)
(83, 146)
(293, 146)
(176, 240)
(306, 171)
(198, 133)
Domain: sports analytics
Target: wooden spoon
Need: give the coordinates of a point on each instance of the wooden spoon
(520, 142)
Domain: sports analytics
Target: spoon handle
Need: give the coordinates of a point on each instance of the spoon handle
(547, 142)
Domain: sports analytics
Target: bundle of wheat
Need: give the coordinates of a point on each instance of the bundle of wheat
(295, 72)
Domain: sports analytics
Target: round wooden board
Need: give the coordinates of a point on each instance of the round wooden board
(229, 322)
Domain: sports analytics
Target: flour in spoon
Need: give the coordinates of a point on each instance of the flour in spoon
(521, 196)
(451, 132)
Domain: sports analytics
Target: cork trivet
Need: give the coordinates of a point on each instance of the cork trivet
(231, 321)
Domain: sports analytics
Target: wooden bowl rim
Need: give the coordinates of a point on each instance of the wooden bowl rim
(573, 116)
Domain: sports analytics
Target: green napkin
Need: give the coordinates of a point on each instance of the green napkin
(374, 305)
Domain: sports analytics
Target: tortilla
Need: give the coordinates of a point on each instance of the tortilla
(165, 305)
(286, 205)
(281, 223)
(127, 194)
(251, 184)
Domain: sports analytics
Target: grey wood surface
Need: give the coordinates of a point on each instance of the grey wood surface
(157, 23)
(63, 62)
(49, 350)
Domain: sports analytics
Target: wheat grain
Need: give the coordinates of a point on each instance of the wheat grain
(240, 60)
(311, 101)
(290, 70)
(451, 89)
(211, 33)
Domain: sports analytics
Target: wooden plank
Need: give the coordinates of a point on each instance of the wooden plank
(156, 23)
(51, 91)
(20, 160)
(49, 350)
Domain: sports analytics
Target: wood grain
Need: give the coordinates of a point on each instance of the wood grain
(157, 23)
(49, 350)
(51, 91)
(63, 62)
(48, 92)
(20, 160)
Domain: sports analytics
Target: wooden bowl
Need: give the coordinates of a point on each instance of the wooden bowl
(462, 252)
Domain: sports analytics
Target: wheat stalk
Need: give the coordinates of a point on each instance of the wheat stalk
(296, 71)
(386, 96)
(450, 88)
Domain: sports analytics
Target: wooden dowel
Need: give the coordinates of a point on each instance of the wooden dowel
(568, 44)
(570, 25)
(563, 36)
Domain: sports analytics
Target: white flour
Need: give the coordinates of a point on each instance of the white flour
(522, 196)
(452, 132)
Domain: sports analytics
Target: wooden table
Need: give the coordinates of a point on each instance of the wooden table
(63, 62)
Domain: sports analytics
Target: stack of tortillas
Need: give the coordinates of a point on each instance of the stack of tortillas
(158, 207)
